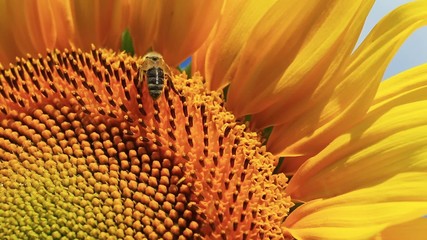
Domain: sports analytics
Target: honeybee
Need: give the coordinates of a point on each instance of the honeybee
(154, 69)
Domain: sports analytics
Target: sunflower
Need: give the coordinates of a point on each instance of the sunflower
(282, 130)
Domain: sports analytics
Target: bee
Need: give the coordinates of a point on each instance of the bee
(155, 70)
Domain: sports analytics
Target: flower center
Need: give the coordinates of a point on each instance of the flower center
(86, 152)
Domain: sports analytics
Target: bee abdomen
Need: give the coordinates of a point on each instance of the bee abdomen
(155, 94)
(155, 82)
(155, 76)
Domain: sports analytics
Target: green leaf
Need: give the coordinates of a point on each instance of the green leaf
(127, 43)
(266, 132)
(279, 164)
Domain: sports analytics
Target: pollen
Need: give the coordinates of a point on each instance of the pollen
(87, 153)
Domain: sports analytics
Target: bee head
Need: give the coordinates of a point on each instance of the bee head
(153, 56)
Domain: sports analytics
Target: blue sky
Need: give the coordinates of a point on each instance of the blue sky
(413, 52)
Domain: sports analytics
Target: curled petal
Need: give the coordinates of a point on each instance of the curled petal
(390, 140)
(362, 213)
(356, 84)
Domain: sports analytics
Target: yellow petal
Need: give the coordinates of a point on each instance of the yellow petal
(217, 58)
(411, 81)
(354, 87)
(32, 26)
(414, 230)
(144, 24)
(100, 23)
(390, 140)
(10, 49)
(278, 62)
(183, 26)
(363, 213)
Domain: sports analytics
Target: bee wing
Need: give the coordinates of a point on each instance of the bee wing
(167, 70)
(139, 79)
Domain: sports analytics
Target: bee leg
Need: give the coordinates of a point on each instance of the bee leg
(138, 81)
(171, 86)
(168, 73)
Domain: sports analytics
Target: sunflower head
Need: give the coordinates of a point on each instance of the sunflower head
(96, 144)
(88, 144)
